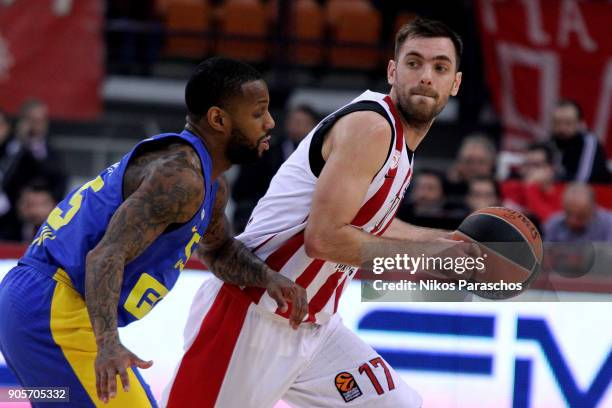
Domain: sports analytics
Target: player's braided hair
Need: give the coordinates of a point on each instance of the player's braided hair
(215, 81)
(424, 28)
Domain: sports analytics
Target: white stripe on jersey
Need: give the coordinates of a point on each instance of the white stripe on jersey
(275, 231)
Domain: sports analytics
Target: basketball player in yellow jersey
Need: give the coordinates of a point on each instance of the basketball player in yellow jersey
(115, 246)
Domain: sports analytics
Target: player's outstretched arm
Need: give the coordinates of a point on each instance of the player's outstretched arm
(170, 191)
(233, 262)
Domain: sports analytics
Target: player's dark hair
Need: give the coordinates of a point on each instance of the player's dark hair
(548, 150)
(424, 28)
(215, 81)
(572, 103)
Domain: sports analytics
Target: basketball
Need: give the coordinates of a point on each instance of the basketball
(511, 247)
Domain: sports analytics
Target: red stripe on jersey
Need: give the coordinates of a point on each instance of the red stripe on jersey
(203, 367)
(373, 205)
(310, 273)
(304, 280)
(320, 299)
(398, 123)
(276, 260)
(377, 230)
(339, 290)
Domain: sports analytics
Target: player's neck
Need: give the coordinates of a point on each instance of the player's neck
(220, 162)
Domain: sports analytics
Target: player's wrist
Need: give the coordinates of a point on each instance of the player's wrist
(107, 339)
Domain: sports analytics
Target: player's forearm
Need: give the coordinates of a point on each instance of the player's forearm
(234, 263)
(103, 279)
(411, 233)
(349, 245)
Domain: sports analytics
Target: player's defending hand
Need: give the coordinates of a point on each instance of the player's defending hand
(113, 360)
(284, 291)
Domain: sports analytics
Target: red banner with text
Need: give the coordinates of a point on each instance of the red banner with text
(538, 51)
(52, 50)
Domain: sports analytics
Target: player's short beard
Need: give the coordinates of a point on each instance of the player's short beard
(240, 150)
(419, 116)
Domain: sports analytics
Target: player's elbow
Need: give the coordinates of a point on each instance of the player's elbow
(315, 243)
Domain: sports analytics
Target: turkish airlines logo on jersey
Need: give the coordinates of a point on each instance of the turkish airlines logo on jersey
(395, 158)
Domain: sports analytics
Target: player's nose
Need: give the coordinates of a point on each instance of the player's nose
(269, 123)
(426, 76)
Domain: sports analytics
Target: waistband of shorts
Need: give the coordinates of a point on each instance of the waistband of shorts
(53, 272)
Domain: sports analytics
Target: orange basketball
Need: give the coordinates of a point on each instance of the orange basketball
(511, 246)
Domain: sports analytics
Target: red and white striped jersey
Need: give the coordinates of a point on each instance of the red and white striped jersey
(276, 229)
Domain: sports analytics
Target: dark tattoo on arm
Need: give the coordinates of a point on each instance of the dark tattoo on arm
(227, 257)
(167, 190)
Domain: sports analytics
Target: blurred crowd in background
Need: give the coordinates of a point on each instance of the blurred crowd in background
(562, 182)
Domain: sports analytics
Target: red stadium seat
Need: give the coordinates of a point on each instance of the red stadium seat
(243, 18)
(400, 20)
(354, 22)
(306, 27)
(188, 16)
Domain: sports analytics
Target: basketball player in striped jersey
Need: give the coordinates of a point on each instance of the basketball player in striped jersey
(337, 193)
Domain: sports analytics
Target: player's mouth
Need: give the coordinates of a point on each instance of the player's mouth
(265, 142)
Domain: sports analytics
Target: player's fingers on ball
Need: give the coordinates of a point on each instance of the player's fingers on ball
(475, 250)
(125, 379)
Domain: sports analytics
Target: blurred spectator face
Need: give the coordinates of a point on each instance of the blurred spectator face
(34, 120)
(39, 121)
(34, 206)
(536, 168)
(565, 122)
(482, 194)
(298, 124)
(427, 191)
(423, 76)
(579, 210)
(475, 160)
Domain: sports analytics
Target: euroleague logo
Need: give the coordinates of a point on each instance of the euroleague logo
(347, 386)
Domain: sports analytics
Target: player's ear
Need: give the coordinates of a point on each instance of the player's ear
(456, 83)
(217, 119)
(391, 71)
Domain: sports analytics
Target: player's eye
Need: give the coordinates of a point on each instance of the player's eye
(412, 63)
(441, 68)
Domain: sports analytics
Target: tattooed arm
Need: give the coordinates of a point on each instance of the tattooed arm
(162, 188)
(231, 261)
